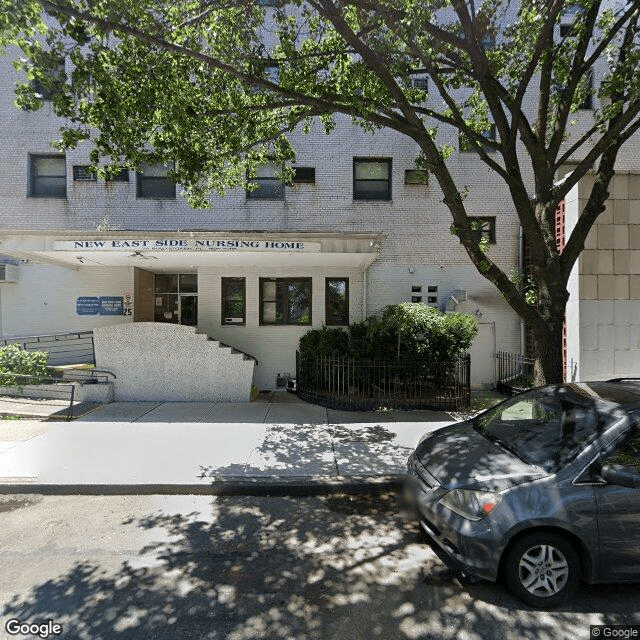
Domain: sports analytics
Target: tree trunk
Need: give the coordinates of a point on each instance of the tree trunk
(548, 356)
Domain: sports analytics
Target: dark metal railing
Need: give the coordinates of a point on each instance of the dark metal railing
(62, 348)
(17, 385)
(515, 372)
(354, 384)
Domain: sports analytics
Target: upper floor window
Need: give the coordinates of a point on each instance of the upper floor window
(154, 181)
(304, 175)
(83, 173)
(285, 301)
(484, 227)
(54, 77)
(270, 185)
(465, 144)
(47, 176)
(587, 103)
(121, 175)
(416, 176)
(371, 179)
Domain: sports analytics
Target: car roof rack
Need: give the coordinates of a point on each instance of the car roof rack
(623, 379)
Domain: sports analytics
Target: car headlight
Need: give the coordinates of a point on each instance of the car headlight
(473, 505)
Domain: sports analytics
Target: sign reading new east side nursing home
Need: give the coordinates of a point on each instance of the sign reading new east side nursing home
(188, 244)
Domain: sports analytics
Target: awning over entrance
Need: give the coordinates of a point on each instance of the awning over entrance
(170, 251)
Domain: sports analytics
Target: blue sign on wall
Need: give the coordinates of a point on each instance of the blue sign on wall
(88, 306)
(111, 306)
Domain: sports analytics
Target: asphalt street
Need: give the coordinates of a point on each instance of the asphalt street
(249, 568)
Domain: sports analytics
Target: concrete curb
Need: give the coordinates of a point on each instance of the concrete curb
(253, 486)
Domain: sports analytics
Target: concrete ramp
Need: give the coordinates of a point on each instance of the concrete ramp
(160, 362)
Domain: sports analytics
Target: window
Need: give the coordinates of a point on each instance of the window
(420, 82)
(47, 176)
(465, 145)
(304, 175)
(587, 103)
(176, 298)
(234, 300)
(54, 77)
(336, 301)
(416, 176)
(270, 185)
(432, 294)
(565, 30)
(484, 227)
(285, 301)
(122, 175)
(154, 182)
(83, 173)
(371, 179)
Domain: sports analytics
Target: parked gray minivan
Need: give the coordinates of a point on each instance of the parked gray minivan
(542, 490)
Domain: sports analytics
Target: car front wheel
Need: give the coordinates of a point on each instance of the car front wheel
(542, 569)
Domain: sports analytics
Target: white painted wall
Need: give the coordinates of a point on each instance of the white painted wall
(43, 301)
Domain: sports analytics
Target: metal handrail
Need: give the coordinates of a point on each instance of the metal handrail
(62, 348)
(55, 386)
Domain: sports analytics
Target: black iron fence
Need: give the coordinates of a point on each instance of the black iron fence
(17, 385)
(515, 372)
(62, 348)
(354, 384)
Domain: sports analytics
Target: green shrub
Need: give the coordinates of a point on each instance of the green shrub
(403, 331)
(16, 362)
(324, 342)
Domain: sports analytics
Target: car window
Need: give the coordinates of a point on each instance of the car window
(627, 453)
(547, 427)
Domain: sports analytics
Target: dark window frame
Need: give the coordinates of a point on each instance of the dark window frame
(141, 178)
(388, 162)
(285, 322)
(416, 177)
(465, 145)
(33, 176)
(83, 173)
(56, 77)
(587, 103)
(259, 193)
(327, 320)
(121, 176)
(491, 231)
(299, 176)
(223, 302)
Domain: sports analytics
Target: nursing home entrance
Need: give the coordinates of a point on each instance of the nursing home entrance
(176, 298)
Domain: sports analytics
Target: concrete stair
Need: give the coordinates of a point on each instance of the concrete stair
(168, 362)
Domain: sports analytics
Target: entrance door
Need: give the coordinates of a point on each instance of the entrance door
(175, 298)
(189, 310)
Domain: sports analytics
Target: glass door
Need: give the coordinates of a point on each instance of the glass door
(189, 310)
(175, 298)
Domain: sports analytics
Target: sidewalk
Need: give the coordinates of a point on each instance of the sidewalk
(277, 444)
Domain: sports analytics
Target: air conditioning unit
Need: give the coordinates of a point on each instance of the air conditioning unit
(233, 320)
(8, 273)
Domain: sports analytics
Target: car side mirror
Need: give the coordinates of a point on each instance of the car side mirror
(620, 475)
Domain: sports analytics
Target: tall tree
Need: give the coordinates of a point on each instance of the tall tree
(169, 80)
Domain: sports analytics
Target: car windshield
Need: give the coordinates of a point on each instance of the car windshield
(546, 427)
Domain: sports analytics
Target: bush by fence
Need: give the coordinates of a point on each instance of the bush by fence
(18, 364)
(364, 384)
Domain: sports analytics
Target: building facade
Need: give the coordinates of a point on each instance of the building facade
(357, 230)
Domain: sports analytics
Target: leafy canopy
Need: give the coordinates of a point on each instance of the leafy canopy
(215, 88)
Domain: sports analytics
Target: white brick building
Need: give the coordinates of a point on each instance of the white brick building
(381, 244)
